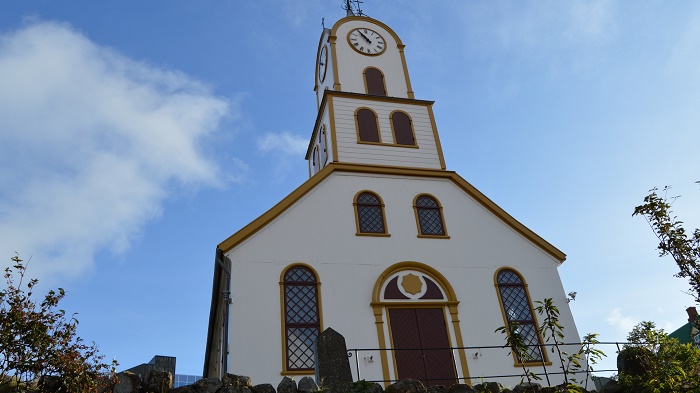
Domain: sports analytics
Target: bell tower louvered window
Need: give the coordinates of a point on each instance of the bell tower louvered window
(367, 127)
(429, 217)
(369, 214)
(516, 309)
(403, 129)
(374, 82)
(302, 322)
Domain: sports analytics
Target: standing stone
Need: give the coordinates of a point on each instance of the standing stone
(207, 385)
(287, 385)
(332, 364)
(461, 388)
(238, 380)
(307, 385)
(406, 386)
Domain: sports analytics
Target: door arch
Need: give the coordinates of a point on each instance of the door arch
(415, 308)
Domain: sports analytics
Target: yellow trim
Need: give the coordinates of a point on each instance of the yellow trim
(357, 215)
(543, 349)
(334, 138)
(342, 21)
(409, 89)
(381, 308)
(283, 320)
(393, 132)
(376, 121)
(336, 82)
(260, 222)
(445, 235)
(364, 79)
(438, 146)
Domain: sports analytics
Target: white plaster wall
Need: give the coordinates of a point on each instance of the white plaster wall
(349, 150)
(319, 230)
(351, 64)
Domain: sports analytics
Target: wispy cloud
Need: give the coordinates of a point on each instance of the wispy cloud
(284, 142)
(91, 143)
(621, 322)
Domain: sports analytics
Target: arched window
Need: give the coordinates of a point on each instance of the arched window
(516, 309)
(316, 160)
(429, 217)
(374, 81)
(367, 127)
(369, 214)
(302, 321)
(402, 127)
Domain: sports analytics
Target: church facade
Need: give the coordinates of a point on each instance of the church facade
(404, 258)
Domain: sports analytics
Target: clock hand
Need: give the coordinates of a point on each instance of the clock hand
(365, 37)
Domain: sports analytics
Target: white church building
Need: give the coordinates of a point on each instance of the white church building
(383, 244)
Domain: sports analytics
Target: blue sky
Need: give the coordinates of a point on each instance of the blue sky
(135, 136)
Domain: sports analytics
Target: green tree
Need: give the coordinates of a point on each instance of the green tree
(684, 248)
(656, 363)
(38, 342)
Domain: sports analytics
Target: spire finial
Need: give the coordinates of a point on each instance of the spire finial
(352, 7)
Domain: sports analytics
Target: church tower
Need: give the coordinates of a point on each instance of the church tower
(367, 112)
(412, 264)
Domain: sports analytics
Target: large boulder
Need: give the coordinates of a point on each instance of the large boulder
(263, 388)
(157, 381)
(489, 387)
(437, 389)
(406, 386)
(307, 385)
(287, 385)
(238, 380)
(528, 387)
(127, 383)
(461, 388)
(207, 385)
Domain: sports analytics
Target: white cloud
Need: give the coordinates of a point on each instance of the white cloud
(621, 322)
(285, 143)
(91, 143)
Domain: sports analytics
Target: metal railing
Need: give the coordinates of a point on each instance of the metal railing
(545, 367)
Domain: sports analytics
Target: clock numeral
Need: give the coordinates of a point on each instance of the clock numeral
(356, 44)
(362, 48)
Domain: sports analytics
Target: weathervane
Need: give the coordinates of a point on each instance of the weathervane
(353, 9)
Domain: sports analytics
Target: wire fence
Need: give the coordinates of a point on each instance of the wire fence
(546, 366)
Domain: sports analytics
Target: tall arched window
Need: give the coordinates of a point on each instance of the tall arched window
(429, 217)
(367, 126)
(402, 127)
(302, 320)
(369, 212)
(374, 81)
(516, 309)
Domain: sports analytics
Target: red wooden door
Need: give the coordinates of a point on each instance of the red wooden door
(419, 337)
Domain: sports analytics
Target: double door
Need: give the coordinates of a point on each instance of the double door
(419, 337)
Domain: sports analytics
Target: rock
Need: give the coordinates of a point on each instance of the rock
(234, 389)
(528, 387)
(157, 381)
(365, 387)
(489, 387)
(263, 388)
(406, 386)
(207, 385)
(49, 384)
(437, 389)
(238, 380)
(307, 385)
(461, 388)
(184, 389)
(127, 383)
(287, 385)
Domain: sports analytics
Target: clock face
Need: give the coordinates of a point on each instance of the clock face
(323, 63)
(367, 41)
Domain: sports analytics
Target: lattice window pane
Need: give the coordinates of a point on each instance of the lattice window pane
(426, 201)
(530, 338)
(517, 308)
(516, 304)
(300, 347)
(301, 304)
(370, 214)
(299, 274)
(430, 221)
(508, 277)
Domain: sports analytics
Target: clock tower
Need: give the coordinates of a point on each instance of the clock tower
(367, 112)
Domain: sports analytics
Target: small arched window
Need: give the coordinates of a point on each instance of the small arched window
(302, 321)
(402, 127)
(369, 211)
(429, 217)
(516, 309)
(374, 81)
(367, 126)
